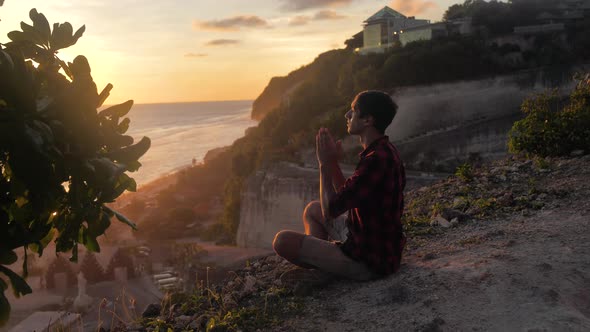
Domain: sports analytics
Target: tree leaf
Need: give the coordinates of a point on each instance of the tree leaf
(19, 285)
(41, 24)
(32, 34)
(131, 153)
(123, 126)
(17, 36)
(104, 94)
(8, 257)
(78, 34)
(66, 69)
(121, 217)
(74, 257)
(133, 166)
(4, 306)
(117, 111)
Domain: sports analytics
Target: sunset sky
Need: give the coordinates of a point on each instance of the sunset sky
(198, 50)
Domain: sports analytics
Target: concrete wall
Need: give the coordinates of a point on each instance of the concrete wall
(273, 200)
(438, 126)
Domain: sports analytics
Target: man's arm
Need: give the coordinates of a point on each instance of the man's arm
(326, 190)
(335, 171)
(330, 174)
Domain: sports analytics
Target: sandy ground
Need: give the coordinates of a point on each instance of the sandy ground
(521, 274)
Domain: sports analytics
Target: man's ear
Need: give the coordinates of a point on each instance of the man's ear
(369, 121)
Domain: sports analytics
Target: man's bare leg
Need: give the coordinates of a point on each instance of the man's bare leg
(287, 244)
(313, 221)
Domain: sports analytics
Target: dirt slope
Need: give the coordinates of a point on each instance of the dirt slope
(528, 271)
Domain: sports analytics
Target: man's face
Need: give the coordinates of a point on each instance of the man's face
(354, 122)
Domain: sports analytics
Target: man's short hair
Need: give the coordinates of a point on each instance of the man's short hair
(377, 104)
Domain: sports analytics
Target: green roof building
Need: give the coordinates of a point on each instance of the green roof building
(379, 29)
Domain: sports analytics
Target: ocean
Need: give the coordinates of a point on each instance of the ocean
(183, 131)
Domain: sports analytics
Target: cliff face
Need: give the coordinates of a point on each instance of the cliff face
(279, 89)
(273, 200)
(438, 126)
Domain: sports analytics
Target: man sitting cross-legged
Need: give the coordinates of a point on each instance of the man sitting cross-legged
(372, 196)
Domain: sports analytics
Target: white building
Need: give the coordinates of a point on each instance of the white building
(425, 32)
(379, 31)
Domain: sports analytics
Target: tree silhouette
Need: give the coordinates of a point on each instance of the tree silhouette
(60, 265)
(91, 268)
(121, 258)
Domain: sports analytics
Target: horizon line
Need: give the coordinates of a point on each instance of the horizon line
(179, 102)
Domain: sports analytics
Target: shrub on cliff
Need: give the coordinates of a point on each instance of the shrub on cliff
(553, 127)
(60, 159)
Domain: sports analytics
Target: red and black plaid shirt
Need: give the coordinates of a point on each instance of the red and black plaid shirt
(373, 196)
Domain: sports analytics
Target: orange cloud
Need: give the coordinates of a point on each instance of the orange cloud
(299, 20)
(222, 42)
(297, 5)
(328, 15)
(195, 55)
(232, 23)
(412, 7)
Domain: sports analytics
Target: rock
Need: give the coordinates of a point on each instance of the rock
(181, 322)
(450, 214)
(152, 310)
(249, 285)
(506, 200)
(134, 327)
(229, 302)
(460, 203)
(440, 221)
(198, 323)
(577, 153)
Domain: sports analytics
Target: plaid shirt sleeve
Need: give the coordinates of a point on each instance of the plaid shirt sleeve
(358, 187)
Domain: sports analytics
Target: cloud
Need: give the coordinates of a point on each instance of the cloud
(328, 15)
(298, 5)
(195, 55)
(322, 15)
(232, 23)
(412, 7)
(222, 42)
(299, 20)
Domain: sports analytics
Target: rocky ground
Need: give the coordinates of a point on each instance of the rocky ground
(498, 248)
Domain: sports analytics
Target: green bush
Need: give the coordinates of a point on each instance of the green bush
(465, 172)
(60, 159)
(553, 127)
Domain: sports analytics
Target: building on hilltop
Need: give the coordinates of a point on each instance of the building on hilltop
(379, 29)
(557, 17)
(425, 32)
(461, 26)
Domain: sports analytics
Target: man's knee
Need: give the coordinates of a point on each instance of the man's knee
(313, 211)
(287, 244)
